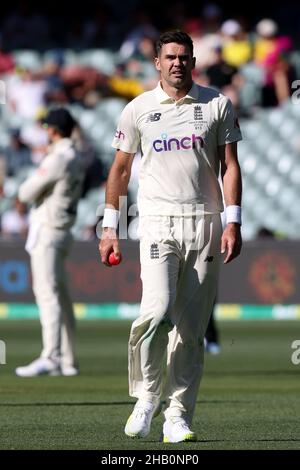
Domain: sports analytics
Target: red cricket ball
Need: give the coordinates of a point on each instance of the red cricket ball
(113, 260)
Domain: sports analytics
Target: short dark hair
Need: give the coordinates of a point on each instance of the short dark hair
(179, 37)
(62, 120)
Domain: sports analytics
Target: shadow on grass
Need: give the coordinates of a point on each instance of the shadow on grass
(107, 403)
(251, 372)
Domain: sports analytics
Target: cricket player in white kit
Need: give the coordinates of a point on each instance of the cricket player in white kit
(54, 189)
(187, 135)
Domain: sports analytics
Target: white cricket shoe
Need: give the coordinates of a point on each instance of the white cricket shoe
(139, 422)
(69, 371)
(177, 430)
(41, 366)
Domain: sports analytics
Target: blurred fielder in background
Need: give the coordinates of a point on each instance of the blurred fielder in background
(54, 189)
(186, 133)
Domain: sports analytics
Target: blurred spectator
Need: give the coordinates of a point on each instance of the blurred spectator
(237, 49)
(14, 222)
(265, 43)
(80, 80)
(138, 73)
(35, 136)
(26, 95)
(16, 155)
(7, 63)
(271, 53)
(221, 74)
(224, 77)
(124, 86)
(205, 43)
(51, 72)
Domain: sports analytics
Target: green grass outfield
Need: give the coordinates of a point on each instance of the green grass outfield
(249, 399)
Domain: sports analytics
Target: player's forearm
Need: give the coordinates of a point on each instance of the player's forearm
(30, 191)
(42, 180)
(117, 185)
(232, 185)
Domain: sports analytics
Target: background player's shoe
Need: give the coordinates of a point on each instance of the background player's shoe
(139, 422)
(41, 366)
(177, 430)
(212, 348)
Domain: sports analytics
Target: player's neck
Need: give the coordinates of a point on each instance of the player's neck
(176, 93)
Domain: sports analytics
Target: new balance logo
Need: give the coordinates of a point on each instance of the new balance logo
(198, 115)
(154, 251)
(153, 117)
(209, 259)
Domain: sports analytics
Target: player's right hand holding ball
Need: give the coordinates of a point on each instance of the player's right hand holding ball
(108, 246)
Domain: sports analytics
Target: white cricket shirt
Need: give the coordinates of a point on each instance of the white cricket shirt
(179, 142)
(55, 187)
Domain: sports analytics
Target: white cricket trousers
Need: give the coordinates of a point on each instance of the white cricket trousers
(179, 272)
(52, 295)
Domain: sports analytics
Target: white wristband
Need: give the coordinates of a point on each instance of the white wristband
(111, 218)
(234, 214)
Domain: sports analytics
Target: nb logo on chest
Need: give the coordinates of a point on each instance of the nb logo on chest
(153, 117)
(177, 143)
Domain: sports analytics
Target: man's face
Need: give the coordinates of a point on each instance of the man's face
(175, 64)
(51, 134)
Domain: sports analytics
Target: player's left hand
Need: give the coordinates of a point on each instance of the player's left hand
(231, 242)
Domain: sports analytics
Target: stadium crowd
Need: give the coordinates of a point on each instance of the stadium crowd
(98, 59)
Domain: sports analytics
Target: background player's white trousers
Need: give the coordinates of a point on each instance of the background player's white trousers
(52, 295)
(179, 272)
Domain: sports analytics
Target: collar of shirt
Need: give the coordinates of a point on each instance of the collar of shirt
(61, 144)
(163, 97)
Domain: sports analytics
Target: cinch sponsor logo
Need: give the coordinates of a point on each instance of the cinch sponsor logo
(119, 135)
(181, 143)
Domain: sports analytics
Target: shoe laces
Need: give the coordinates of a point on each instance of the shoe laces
(180, 423)
(143, 411)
